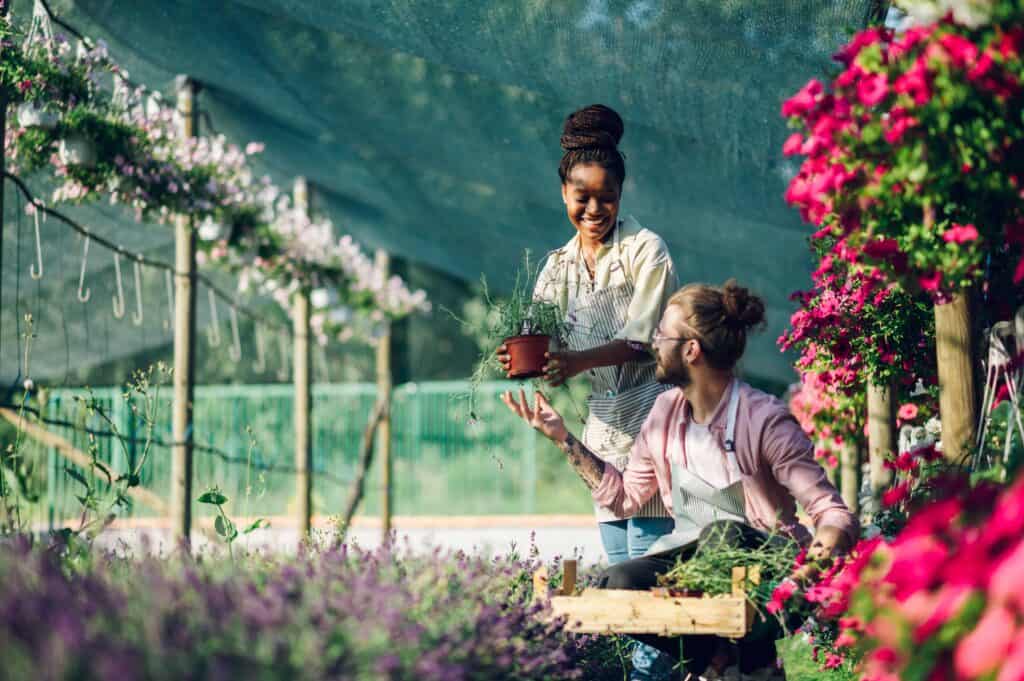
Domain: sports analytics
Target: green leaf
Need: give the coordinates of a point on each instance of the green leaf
(225, 528)
(213, 496)
(76, 475)
(259, 523)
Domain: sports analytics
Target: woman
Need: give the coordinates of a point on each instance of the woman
(729, 460)
(611, 280)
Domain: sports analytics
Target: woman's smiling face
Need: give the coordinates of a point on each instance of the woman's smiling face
(592, 195)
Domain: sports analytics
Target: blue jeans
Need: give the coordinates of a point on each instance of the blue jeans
(625, 539)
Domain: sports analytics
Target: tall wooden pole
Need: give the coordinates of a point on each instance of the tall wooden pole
(184, 344)
(849, 474)
(384, 428)
(303, 391)
(882, 438)
(957, 400)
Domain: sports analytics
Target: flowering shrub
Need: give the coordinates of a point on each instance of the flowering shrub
(915, 152)
(853, 328)
(829, 417)
(341, 613)
(936, 595)
(125, 145)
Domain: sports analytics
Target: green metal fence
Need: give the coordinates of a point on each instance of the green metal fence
(444, 462)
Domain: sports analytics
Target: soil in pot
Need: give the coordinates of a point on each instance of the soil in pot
(527, 355)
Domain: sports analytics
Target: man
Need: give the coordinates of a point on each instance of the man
(722, 455)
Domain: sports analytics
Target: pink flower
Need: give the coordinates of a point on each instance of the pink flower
(792, 144)
(960, 234)
(782, 593)
(1013, 667)
(915, 83)
(931, 281)
(961, 51)
(895, 495)
(944, 606)
(1004, 586)
(873, 89)
(832, 661)
(982, 650)
(804, 100)
(908, 411)
(882, 248)
(897, 123)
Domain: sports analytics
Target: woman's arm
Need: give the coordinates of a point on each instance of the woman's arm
(562, 366)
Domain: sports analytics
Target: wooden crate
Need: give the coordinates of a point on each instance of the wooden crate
(617, 611)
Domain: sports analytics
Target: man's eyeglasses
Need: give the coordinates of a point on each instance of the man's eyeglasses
(657, 338)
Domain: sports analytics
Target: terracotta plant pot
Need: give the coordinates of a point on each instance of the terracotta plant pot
(527, 353)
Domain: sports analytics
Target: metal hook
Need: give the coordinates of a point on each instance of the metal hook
(83, 296)
(235, 351)
(282, 372)
(119, 298)
(169, 322)
(32, 271)
(137, 315)
(213, 330)
(260, 365)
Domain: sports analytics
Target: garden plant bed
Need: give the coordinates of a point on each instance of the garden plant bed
(618, 611)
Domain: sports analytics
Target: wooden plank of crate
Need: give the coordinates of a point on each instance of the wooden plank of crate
(568, 577)
(608, 611)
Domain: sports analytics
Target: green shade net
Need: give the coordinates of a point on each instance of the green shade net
(431, 128)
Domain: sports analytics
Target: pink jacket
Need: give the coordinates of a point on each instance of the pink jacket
(775, 457)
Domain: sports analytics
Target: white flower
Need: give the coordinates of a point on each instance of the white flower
(322, 298)
(970, 13)
(933, 427)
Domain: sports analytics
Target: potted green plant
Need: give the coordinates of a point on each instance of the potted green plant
(527, 327)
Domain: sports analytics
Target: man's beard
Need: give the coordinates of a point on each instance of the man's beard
(678, 375)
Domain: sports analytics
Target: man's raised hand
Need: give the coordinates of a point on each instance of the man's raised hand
(541, 416)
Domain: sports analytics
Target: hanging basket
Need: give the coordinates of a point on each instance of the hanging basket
(212, 231)
(31, 115)
(78, 150)
(527, 355)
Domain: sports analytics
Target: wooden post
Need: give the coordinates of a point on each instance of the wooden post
(568, 577)
(849, 475)
(303, 390)
(954, 352)
(184, 345)
(830, 472)
(384, 428)
(882, 438)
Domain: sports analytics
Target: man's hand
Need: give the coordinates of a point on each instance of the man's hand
(829, 543)
(541, 416)
(561, 366)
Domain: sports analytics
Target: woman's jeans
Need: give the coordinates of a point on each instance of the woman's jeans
(626, 539)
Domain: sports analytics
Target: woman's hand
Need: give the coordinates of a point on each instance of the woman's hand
(505, 359)
(542, 416)
(561, 366)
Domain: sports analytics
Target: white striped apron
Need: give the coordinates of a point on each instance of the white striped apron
(697, 503)
(621, 397)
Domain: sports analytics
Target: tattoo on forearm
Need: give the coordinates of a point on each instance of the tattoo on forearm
(586, 463)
